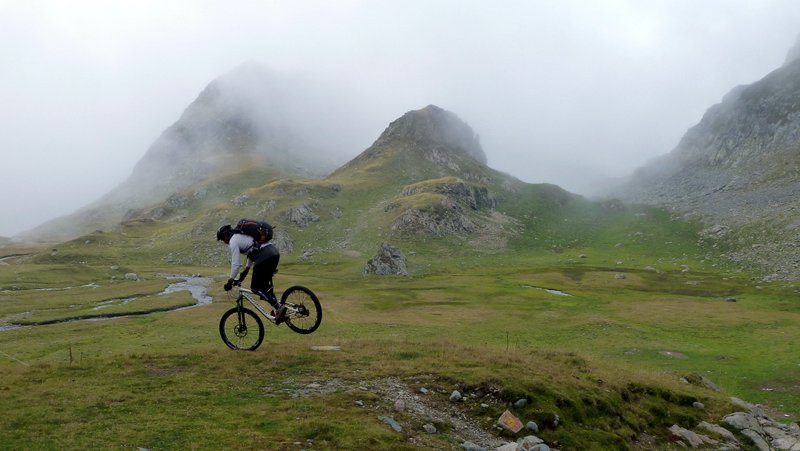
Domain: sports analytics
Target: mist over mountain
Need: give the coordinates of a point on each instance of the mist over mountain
(251, 127)
(739, 170)
(249, 117)
(250, 112)
(243, 113)
(794, 52)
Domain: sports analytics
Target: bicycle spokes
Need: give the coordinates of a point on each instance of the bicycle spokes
(241, 329)
(304, 313)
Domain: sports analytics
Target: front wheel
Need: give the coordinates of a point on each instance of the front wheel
(241, 329)
(303, 311)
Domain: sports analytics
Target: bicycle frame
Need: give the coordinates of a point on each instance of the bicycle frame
(244, 293)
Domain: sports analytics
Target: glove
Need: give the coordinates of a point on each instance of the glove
(243, 275)
(228, 285)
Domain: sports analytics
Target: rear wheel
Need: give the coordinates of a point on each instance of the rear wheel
(303, 311)
(241, 329)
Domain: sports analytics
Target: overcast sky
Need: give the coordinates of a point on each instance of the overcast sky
(561, 91)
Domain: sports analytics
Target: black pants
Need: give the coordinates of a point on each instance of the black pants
(265, 264)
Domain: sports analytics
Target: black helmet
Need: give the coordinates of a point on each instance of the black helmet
(224, 232)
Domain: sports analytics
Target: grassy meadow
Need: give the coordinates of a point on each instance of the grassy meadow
(557, 325)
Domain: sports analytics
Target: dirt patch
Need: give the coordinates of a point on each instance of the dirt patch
(436, 409)
(411, 408)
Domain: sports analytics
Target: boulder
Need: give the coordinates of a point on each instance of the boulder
(742, 421)
(757, 439)
(301, 216)
(530, 443)
(693, 439)
(283, 241)
(719, 430)
(387, 262)
(391, 422)
(510, 422)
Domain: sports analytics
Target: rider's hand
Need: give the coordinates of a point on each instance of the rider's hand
(228, 285)
(243, 275)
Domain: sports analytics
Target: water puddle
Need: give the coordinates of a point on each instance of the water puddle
(549, 290)
(197, 286)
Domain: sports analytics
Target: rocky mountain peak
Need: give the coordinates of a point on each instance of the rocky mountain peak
(738, 170)
(750, 122)
(432, 127)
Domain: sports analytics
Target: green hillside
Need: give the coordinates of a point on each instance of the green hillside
(610, 321)
(481, 323)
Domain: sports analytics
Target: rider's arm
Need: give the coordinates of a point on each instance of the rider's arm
(236, 256)
(239, 244)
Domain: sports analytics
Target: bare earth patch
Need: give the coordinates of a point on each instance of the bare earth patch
(411, 409)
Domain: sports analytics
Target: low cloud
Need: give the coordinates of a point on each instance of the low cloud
(568, 92)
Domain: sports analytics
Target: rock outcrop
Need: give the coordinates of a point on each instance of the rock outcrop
(752, 425)
(739, 169)
(438, 217)
(472, 195)
(439, 207)
(389, 261)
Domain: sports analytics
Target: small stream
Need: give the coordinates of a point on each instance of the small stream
(9, 257)
(197, 286)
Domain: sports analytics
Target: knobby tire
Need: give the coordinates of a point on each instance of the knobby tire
(309, 317)
(241, 329)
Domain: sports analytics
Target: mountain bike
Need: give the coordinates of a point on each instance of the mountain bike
(242, 329)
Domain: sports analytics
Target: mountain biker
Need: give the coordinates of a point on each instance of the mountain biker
(262, 258)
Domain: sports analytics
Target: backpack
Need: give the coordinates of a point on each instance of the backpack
(260, 231)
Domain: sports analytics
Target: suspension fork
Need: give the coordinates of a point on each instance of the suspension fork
(240, 310)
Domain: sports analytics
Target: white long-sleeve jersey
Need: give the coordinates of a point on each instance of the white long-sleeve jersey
(240, 244)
